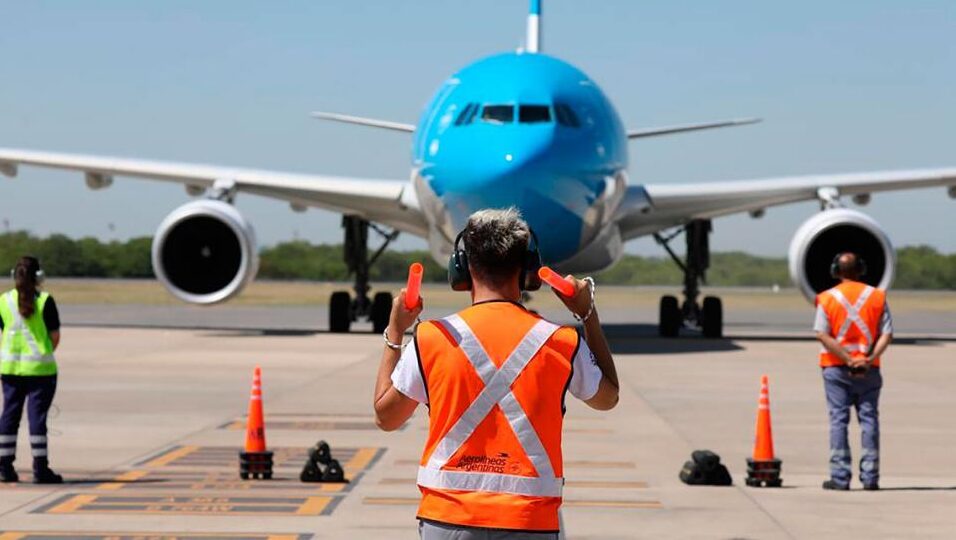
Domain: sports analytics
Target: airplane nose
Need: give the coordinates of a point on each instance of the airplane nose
(498, 161)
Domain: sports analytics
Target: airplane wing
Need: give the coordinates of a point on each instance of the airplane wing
(389, 202)
(651, 208)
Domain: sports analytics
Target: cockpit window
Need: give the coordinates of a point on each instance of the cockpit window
(533, 114)
(466, 114)
(498, 114)
(566, 116)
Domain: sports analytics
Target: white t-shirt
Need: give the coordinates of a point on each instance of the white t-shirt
(585, 374)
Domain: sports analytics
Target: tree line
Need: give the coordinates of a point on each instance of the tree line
(919, 267)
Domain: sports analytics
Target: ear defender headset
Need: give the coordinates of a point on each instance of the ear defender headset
(459, 276)
(39, 275)
(835, 266)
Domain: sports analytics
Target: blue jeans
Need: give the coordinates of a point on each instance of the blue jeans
(844, 391)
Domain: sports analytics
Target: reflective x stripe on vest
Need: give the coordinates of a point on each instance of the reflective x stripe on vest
(853, 317)
(20, 344)
(497, 391)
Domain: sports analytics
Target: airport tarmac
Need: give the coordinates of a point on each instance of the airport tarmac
(150, 420)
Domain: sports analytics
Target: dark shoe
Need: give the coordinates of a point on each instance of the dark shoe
(46, 476)
(8, 474)
(833, 485)
(871, 487)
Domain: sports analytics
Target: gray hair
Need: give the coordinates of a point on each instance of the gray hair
(495, 242)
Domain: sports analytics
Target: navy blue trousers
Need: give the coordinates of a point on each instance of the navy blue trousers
(37, 393)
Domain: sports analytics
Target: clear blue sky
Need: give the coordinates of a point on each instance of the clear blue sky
(843, 86)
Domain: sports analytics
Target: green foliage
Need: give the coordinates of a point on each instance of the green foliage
(919, 267)
(86, 257)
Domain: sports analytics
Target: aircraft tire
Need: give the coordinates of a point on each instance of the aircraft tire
(381, 309)
(340, 316)
(670, 318)
(712, 315)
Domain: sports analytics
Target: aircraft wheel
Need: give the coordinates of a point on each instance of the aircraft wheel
(670, 317)
(712, 315)
(340, 312)
(381, 309)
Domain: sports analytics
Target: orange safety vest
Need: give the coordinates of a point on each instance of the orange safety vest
(495, 375)
(855, 310)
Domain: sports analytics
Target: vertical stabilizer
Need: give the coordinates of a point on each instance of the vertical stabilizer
(534, 27)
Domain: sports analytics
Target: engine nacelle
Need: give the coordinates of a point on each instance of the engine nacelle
(824, 235)
(204, 252)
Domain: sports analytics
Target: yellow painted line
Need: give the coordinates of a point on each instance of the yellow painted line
(361, 459)
(614, 504)
(12, 535)
(413, 501)
(313, 506)
(237, 425)
(117, 482)
(171, 456)
(72, 505)
(332, 488)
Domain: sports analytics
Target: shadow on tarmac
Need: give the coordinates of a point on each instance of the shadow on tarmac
(643, 339)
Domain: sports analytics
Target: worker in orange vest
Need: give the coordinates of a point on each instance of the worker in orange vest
(494, 378)
(854, 325)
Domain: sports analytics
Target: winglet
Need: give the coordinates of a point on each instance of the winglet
(362, 121)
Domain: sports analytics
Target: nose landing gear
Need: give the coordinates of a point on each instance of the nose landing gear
(343, 308)
(709, 316)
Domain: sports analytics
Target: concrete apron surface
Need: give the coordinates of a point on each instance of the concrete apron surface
(149, 422)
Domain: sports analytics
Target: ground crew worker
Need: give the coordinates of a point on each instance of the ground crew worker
(31, 332)
(494, 378)
(854, 325)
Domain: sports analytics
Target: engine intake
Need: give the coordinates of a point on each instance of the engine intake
(821, 237)
(204, 252)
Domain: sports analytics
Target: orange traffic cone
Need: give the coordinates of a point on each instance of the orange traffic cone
(255, 461)
(763, 469)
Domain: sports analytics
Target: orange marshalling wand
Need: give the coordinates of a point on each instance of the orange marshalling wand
(414, 286)
(560, 284)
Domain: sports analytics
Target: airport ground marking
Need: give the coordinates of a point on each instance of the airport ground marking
(172, 455)
(173, 505)
(120, 480)
(167, 480)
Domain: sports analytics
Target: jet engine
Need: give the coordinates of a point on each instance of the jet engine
(833, 231)
(204, 252)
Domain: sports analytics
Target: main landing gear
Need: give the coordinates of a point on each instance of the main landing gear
(343, 309)
(709, 316)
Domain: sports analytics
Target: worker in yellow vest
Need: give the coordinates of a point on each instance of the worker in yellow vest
(30, 327)
(494, 378)
(854, 325)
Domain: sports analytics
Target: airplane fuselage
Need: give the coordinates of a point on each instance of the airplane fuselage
(531, 131)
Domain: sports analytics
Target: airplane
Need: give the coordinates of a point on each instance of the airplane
(521, 129)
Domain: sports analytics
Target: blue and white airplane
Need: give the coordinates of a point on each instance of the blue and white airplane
(517, 129)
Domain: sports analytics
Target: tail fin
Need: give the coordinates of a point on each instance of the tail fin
(534, 27)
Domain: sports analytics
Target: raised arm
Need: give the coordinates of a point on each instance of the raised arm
(581, 304)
